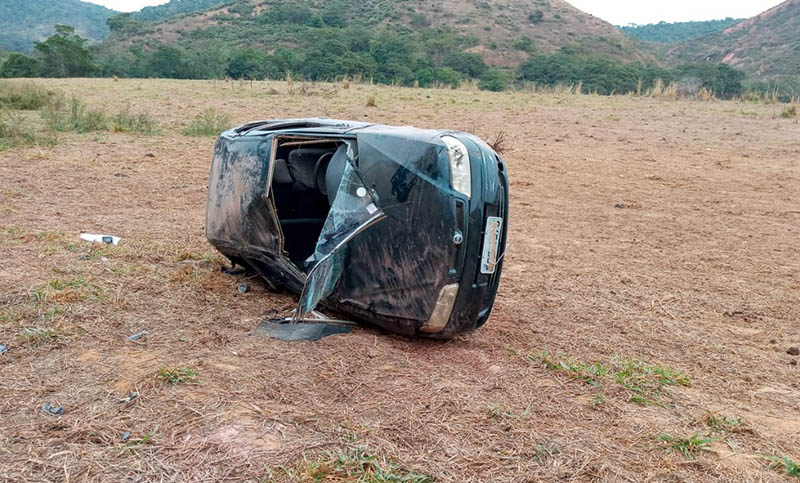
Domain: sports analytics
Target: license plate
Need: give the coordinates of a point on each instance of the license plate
(491, 243)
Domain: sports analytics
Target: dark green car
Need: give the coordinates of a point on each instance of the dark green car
(399, 227)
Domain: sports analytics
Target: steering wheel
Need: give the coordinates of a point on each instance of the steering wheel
(319, 172)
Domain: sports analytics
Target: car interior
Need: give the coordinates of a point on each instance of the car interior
(305, 179)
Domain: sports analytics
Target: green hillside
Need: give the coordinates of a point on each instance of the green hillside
(23, 22)
(664, 32)
(502, 32)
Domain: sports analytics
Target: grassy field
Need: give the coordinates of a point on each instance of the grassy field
(650, 295)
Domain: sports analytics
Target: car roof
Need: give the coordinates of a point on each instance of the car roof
(313, 123)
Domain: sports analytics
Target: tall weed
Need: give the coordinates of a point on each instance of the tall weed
(60, 115)
(139, 122)
(208, 123)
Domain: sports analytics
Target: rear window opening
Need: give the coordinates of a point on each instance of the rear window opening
(305, 177)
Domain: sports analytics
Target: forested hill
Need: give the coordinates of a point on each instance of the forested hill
(502, 32)
(23, 22)
(664, 32)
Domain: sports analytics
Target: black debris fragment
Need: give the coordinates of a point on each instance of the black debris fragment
(794, 351)
(54, 410)
(138, 335)
(282, 329)
(130, 397)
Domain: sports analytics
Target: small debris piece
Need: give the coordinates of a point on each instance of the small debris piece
(130, 397)
(310, 331)
(233, 270)
(3, 349)
(793, 362)
(126, 435)
(55, 411)
(108, 239)
(794, 351)
(619, 206)
(138, 335)
(150, 155)
(242, 288)
(773, 341)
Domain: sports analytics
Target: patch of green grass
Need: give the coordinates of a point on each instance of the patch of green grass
(52, 312)
(784, 464)
(178, 376)
(722, 423)
(36, 336)
(589, 373)
(688, 447)
(208, 123)
(50, 235)
(76, 288)
(354, 465)
(598, 399)
(135, 444)
(128, 121)
(645, 382)
(544, 452)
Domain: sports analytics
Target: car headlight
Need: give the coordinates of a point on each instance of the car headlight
(460, 177)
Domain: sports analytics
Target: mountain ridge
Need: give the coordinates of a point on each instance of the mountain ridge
(24, 22)
(766, 45)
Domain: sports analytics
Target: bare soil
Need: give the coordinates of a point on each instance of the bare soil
(662, 231)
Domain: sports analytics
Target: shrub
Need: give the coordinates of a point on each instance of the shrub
(13, 131)
(127, 121)
(19, 65)
(493, 80)
(74, 116)
(208, 123)
(24, 95)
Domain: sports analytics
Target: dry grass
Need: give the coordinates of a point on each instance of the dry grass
(663, 90)
(695, 273)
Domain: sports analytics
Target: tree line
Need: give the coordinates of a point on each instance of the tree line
(423, 58)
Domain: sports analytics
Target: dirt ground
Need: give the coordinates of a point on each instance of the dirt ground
(659, 231)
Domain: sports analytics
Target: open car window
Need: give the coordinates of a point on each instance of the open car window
(354, 209)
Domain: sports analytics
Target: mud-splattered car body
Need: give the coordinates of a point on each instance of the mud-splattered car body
(400, 227)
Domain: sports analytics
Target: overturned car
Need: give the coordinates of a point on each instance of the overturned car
(399, 227)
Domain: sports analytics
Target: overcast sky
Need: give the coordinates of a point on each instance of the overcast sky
(618, 12)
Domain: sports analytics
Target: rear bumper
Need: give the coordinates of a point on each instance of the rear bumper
(477, 291)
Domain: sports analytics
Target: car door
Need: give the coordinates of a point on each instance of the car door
(354, 209)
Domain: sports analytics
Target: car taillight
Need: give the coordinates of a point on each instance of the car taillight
(442, 310)
(460, 177)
